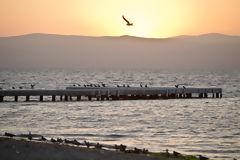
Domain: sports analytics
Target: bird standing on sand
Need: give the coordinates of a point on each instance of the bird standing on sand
(29, 136)
(203, 158)
(167, 153)
(128, 23)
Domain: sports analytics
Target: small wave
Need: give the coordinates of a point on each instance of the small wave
(88, 135)
(214, 151)
(29, 104)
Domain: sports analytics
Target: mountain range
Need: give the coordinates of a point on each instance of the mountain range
(68, 51)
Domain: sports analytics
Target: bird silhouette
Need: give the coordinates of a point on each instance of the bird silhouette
(128, 23)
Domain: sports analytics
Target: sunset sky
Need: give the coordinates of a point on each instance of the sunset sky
(151, 18)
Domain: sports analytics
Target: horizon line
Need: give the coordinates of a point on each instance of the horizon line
(190, 35)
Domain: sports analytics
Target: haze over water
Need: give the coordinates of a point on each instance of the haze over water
(209, 127)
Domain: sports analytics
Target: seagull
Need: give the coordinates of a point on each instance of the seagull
(128, 23)
(32, 86)
(29, 136)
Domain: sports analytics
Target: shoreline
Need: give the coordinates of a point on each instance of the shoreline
(23, 149)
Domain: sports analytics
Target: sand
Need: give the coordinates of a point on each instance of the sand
(21, 149)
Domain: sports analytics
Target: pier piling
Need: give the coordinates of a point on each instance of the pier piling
(41, 98)
(78, 98)
(27, 98)
(15, 98)
(1, 98)
(53, 98)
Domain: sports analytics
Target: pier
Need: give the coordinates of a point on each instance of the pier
(111, 93)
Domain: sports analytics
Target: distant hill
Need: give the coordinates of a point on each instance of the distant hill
(63, 51)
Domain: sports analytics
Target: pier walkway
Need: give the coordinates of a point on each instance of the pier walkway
(111, 93)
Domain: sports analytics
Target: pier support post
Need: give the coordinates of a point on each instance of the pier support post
(27, 98)
(102, 98)
(78, 98)
(61, 98)
(220, 95)
(1, 98)
(200, 95)
(41, 98)
(15, 98)
(89, 98)
(189, 95)
(217, 95)
(205, 95)
(213, 95)
(70, 97)
(66, 98)
(53, 98)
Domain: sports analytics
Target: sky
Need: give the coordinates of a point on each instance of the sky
(150, 18)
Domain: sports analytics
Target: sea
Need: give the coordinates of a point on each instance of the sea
(208, 127)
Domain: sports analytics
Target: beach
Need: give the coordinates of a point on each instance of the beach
(22, 149)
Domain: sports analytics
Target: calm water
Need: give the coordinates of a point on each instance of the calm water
(209, 127)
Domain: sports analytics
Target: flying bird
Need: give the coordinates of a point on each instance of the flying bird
(128, 23)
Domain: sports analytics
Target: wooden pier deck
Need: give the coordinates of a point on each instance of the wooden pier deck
(112, 93)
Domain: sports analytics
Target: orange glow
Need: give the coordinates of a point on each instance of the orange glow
(151, 18)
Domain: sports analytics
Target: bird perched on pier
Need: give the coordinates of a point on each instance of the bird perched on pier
(13, 87)
(128, 23)
(20, 87)
(146, 85)
(32, 86)
(184, 87)
(118, 86)
(176, 86)
(128, 86)
(141, 85)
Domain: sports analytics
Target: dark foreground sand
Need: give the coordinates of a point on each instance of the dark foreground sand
(16, 149)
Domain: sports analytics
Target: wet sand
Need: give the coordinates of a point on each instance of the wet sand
(21, 149)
